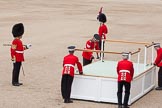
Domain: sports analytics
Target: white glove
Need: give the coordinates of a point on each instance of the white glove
(28, 46)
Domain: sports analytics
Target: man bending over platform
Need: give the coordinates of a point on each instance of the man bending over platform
(68, 73)
(90, 45)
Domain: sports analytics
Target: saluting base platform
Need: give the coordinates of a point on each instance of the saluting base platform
(99, 82)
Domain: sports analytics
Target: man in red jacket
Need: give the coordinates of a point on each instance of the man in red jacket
(91, 45)
(17, 52)
(125, 73)
(68, 73)
(103, 30)
(158, 62)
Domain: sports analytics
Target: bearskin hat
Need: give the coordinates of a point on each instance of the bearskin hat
(18, 30)
(102, 17)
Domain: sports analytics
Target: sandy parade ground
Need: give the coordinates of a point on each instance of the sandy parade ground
(51, 26)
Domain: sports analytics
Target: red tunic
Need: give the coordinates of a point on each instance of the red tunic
(90, 45)
(18, 51)
(102, 31)
(158, 59)
(69, 63)
(125, 70)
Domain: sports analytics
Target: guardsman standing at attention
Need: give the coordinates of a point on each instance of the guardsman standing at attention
(17, 52)
(158, 62)
(90, 45)
(68, 73)
(103, 30)
(125, 73)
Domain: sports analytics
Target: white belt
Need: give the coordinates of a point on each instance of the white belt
(69, 65)
(21, 52)
(124, 71)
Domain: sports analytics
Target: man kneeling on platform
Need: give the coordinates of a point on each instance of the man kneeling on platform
(68, 73)
(125, 73)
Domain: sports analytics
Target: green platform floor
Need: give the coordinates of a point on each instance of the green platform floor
(108, 69)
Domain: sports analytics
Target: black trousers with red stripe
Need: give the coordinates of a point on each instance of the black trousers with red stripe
(66, 84)
(16, 72)
(127, 86)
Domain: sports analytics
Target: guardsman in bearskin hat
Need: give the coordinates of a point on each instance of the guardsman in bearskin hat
(91, 45)
(17, 52)
(68, 73)
(158, 62)
(125, 73)
(103, 30)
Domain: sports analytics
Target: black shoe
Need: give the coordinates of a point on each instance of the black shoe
(65, 101)
(16, 84)
(70, 101)
(158, 88)
(119, 106)
(97, 57)
(125, 107)
(20, 83)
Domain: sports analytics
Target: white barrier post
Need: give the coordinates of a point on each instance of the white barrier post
(152, 56)
(130, 56)
(145, 57)
(102, 44)
(138, 61)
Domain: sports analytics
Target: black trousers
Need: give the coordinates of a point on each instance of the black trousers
(15, 72)
(127, 86)
(100, 45)
(160, 77)
(86, 62)
(66, 84)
